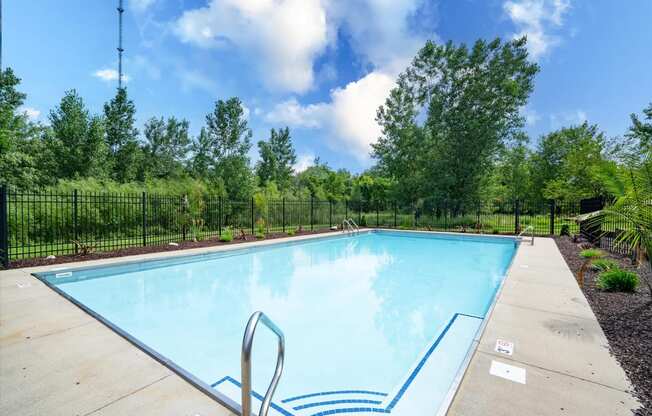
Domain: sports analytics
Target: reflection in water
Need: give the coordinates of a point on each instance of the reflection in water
(357, 312)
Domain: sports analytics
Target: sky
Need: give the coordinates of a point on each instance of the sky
(322, 67)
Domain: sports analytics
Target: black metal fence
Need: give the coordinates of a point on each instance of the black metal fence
(38, 224)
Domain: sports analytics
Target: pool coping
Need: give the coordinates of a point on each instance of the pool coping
(455, 392)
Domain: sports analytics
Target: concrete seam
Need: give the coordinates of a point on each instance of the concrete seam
(127, 395)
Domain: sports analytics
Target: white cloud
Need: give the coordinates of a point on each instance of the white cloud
(304, 161)
(140, 5)
(531, 116)
(349, 117)
(31, 113)
(285, 36)
(536, 19)
(108, 75)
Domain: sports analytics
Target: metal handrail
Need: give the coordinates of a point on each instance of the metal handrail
(357, 229)
(245, 363)
(520, 235)
(349, 227)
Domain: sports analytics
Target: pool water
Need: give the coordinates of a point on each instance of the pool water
(377, 322)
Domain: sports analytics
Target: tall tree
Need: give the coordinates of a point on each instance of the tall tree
(201, 151)
(76, 139)
(122, 136)
(567, 163)
(471, 100)
(230, 138)
(277, 158)
(166, 148)
(20, 144)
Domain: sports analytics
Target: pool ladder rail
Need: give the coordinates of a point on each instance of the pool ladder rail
(245, 363)
(531, 230)
(350, 227)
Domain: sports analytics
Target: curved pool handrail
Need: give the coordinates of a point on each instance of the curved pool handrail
(245, 363)
(531, 229)
(354, 225)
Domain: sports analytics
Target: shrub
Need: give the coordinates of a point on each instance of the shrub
(495, 231)
(260, 227)
(602, 265)
(227, 235)
(618, 280)
(565, 229)
(589, 255)
(291, 232)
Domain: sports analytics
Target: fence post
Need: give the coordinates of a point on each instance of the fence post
(75, 231)
(252, 216)
(360, 213)
(376, 214)
(312, 203)
(182, 201)
(219, 217)
(517, 224)
(395, 209)
(144, 209)
(346, 209)
(330, 213)
(284, 215)
(4, 228)
(552, 217)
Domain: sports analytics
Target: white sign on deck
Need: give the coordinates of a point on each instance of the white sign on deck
(504, 347)
(508, 372)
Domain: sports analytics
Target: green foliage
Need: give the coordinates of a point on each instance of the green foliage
(76, 140)
(568, 161)
(617, 280)
(260, 226)
(227, 235)
(260, 236)
(565, 230)
(602, 265)
(277, 158)
(591, 253)
(167, 145)
(291, 232)
(473, 99)
(122, 137)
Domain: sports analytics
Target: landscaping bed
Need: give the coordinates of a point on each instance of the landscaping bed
(625, 318)
(131, 251)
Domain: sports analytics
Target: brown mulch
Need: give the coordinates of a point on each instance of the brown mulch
(130, 251)
(625, 318)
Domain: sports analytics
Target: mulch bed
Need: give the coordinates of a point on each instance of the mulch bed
(625, 318)
(183, 245)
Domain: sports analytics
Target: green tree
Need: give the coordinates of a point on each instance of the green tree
(277, 158)
(122, 136)
(514, 173)
(201, 159)
(568, 162)
(230, 142)
(76, 139)
(20, 144)
(471, 100)
(166, 148)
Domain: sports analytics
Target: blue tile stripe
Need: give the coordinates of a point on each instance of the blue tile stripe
(389, 407)
(331, 402)
(425, 357)
(326, 393)
(253, 393)
(351, 410)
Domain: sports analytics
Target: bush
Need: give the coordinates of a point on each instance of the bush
(565, 229)
(291, 232)
(226, 236)
(260, 236)
(602, 265)
(618, 280)
(495, 231)
(591, 253)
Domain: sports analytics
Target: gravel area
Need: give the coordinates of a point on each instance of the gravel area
(130, 251)
(625, 318)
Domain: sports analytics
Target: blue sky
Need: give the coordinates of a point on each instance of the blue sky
(322, 66)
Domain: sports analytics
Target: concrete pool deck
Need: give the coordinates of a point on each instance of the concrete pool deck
(56, 359)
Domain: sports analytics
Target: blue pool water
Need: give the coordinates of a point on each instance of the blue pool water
(381, 321)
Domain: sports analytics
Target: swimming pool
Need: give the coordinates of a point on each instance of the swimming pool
(378, 322)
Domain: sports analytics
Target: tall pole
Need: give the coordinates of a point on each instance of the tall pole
(120, 50)
(0, 35)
